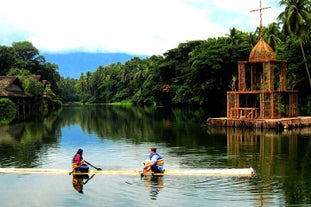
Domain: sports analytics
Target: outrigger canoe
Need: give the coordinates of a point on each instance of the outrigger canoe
(244, 172)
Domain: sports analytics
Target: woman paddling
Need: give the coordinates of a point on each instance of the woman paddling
(78, 163)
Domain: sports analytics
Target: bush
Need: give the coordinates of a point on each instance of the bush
(7, 111)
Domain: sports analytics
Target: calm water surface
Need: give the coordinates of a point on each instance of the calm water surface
(118, 138)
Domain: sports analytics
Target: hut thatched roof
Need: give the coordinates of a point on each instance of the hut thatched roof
(10, 86)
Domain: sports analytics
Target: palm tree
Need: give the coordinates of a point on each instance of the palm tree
(295, 19)
(272, 34)
(234, 36)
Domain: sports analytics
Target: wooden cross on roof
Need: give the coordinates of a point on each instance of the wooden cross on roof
(260, 11)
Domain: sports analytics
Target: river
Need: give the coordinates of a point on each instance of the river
(119, 138)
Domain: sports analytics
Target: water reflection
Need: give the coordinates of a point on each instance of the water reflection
(21, 145)
(274, 155)
(167, 125)
(78, 182)
(264, 146)
(154, 184)
(116, 138)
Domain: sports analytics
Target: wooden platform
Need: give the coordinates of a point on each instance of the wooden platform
(241, 172)
(282, 123)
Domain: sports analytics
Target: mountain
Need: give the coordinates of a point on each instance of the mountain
(73, 64)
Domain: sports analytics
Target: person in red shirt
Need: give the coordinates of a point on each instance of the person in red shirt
(78, 163)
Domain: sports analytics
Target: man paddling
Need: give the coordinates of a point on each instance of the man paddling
(78, 163)
(156, 163)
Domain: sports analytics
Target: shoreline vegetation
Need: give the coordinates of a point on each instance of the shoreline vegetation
(197, 73)
(122, 103)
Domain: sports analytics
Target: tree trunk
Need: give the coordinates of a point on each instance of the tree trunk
(305, 60)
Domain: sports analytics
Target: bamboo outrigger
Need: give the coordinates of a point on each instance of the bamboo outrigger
(243, 172)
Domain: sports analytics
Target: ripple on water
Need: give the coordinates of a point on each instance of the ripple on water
(216, 189)
(117, 189)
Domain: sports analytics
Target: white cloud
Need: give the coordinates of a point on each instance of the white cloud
(136, 26)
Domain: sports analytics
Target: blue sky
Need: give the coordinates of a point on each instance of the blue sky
(132, 26)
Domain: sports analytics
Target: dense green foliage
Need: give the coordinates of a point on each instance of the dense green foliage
(22, 58)
(296, 20)
(7, 111)
(196, 73)
(33, 87)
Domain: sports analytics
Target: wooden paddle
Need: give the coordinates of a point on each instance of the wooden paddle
(97, 168)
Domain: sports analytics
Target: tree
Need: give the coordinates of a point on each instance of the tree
(25, 50)
(272, 35)
(18, 71)
(7, 111)
(295, 18)
(68, 92)
(27, 57)
(25, 54)
(34, 87)
(7, 59)
(234, 36)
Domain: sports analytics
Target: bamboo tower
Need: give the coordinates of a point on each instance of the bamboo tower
(261, 91)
